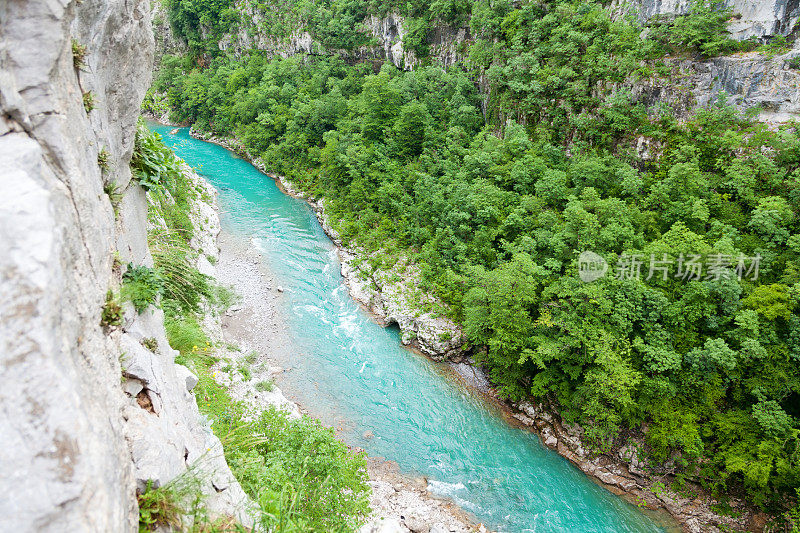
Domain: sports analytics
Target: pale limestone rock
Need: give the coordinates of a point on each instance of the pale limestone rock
(754, 18)
(388, 525)
(76, 443)
(386, 31)
(132, 387)
(746, 80)
(158, 449)
(64, 464)
(187, 376)
(394, 296)
(415, 521)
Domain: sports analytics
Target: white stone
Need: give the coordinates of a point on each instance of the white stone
(188, 377)
(387, 525)
(132, 387)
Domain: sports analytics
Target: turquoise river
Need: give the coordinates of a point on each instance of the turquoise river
(354, 374)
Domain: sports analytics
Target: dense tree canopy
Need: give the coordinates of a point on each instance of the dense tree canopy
(497, 207)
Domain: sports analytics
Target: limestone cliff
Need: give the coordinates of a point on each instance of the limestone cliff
(385, 32)
(76, 444)
(746, 81)
(753, 18)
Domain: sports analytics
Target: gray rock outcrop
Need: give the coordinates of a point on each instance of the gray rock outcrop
(745, 81)
(88, 413)
(64, 461)
(752, 18)
(386, 33)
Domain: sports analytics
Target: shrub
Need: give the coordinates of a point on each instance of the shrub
(776, 46)
(704, 30)
(152, 163)
(185, 288)
(114, 195)
(180, 505)
(155, 102)
(185, 334)
(301, 475)
(142, 286)
(150, 343)
(159, 507)
(329, 483)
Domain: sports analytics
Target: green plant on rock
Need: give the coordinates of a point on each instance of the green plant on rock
(703, 30)
(112, 311)
(159, 507)
(88, 101)
(793, 515)
(142, 286)
(79, 52)
(181, 505)
(300, 474)
(102, 159)
(777, 45)
(152, 163)
(265, 385)
(186, 289)
(150, 343)
(186, 335)
(114, 195)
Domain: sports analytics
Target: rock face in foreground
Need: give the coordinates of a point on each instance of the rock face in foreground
(64, 461)
(88, 414)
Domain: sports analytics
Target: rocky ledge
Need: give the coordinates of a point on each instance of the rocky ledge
(168, 436)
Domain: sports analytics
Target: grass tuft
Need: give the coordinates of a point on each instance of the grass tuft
(265, 386)
(112, 311)
(79, 53)
(89, 102)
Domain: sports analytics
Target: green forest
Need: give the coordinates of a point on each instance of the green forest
(496, 173)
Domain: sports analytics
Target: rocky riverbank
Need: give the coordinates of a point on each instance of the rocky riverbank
(253, 336)
(391, 294)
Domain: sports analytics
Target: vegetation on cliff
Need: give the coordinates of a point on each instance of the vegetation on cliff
(301, 477)
(496, 208)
